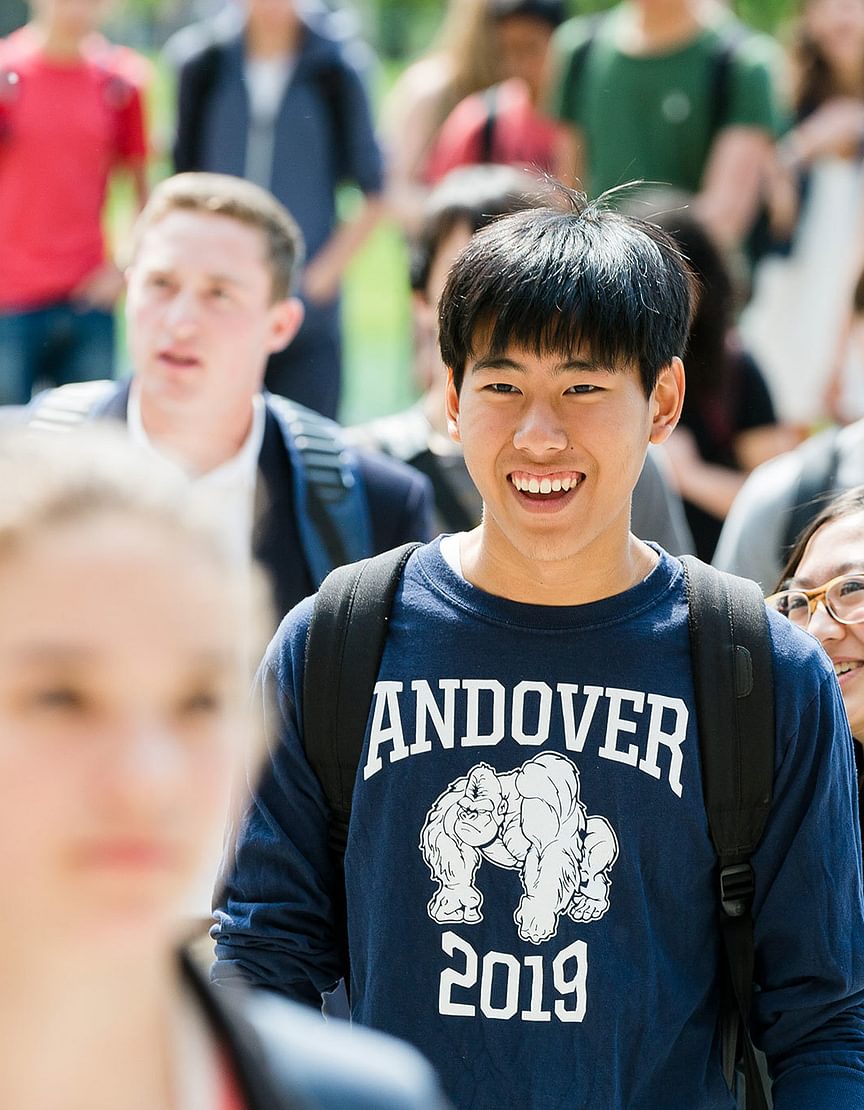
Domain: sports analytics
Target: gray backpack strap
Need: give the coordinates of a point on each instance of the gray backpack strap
(733, 677)
(64, 408)
(332, 511)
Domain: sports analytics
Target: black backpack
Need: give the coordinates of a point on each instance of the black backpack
(733, 678)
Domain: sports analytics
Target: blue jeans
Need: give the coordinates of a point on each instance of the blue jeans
(55, 345)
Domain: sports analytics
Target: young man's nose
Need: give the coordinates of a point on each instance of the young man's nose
(144, 762)
(540, 429)
(183, 313)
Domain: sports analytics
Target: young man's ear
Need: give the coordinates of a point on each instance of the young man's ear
(451, 405)
(667, 400)
(286, 318)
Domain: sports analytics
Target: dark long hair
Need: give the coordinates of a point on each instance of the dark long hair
(814, 80)
(710, 370)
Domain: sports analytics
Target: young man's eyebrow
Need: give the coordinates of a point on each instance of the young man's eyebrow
(502, 362)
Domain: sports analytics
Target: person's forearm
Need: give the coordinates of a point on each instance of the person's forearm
(711, 487)
(325, 271)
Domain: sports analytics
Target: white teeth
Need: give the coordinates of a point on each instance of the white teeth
(843, 668)
(544, 485)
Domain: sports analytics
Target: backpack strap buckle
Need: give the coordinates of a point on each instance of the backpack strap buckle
(737, 886)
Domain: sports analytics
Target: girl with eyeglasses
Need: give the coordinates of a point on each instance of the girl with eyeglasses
(822, 589)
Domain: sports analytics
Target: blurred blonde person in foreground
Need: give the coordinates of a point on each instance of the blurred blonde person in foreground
(127, 639)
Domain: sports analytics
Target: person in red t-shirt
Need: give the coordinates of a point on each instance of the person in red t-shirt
(71, 113)
(503, 124)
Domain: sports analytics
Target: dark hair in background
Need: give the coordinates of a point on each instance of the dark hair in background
(564, 279)
(470, 196)
(707, 357)
(552, 12)
(848, 503)
(814, 80)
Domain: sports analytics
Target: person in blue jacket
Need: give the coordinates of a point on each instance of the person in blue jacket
(210, 295)
(529, 876)
(275, 92)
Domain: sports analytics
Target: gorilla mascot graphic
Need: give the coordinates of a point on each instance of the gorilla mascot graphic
(529, 820)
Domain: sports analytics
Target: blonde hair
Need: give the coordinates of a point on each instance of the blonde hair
(53, 480)
(219, 194)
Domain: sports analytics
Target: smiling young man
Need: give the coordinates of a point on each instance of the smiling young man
(530, 880)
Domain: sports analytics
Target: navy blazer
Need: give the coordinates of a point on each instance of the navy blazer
(399, 498)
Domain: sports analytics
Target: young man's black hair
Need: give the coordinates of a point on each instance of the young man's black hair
(588, 279)
(550, 11)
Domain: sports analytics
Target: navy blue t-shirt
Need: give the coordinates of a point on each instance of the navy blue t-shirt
(530, 880)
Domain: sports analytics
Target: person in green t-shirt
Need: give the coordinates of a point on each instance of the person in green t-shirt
(676, 92)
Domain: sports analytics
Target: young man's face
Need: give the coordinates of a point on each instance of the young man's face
(201, 319)
(522, 43)
(555, 444)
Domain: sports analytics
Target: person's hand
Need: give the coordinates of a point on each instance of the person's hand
(101, 288)
(321, 280)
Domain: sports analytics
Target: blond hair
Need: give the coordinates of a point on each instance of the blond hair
(219, 194)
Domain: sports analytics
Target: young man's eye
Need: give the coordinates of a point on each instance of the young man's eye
(584, 387)
(201, 703)
(501, 387)
(58, 698)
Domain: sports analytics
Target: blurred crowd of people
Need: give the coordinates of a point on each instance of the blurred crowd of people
(753, 146)
(740, 153)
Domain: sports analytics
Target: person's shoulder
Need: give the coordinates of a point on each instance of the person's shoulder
(188, 46)
(332, 38)
(574, 33)
(337, 1064)
(749, 49)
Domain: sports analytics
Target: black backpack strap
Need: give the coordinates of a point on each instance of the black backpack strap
(344, 646)
(733, 679)
(720, 77)
(490, 121)
(817, 484)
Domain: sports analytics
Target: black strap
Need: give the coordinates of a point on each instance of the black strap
(817, 484)
(344, 646)
(733, 679)
(487, 135)
(731, 38)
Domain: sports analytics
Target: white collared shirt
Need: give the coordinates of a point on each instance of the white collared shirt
(233, 481)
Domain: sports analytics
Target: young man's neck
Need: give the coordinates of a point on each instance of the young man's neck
(499, 569)
(664, 24)
(56, 44)
(200, 441)
(267, 41)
